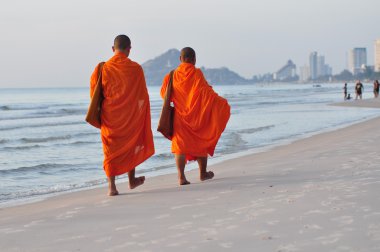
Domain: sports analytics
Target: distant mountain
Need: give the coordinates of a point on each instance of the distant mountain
(156, 69)
(222, 76)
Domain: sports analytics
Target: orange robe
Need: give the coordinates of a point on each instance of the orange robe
(126, 126)
(200, 114)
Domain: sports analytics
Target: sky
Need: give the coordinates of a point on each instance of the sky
(45, 43)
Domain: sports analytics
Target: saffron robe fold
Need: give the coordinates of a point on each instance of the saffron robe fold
(125, 116)
(200, 116)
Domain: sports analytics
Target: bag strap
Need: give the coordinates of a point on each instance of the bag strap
(100, 70)
(170, 86)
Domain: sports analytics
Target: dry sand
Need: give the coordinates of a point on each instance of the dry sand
(316, 194)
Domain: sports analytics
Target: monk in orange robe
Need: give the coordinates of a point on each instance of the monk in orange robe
(125, 116)
(200, 116)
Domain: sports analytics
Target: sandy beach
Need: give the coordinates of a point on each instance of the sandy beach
(316, 194)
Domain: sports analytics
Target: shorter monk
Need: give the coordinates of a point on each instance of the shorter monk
(200, 116)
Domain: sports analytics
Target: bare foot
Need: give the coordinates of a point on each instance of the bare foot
(113, 193)
(207, 175)
(136, 182)
(183, 182)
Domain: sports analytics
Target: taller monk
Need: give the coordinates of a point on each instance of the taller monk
(200, 116)
(125, 115)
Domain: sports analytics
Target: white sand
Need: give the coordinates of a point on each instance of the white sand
(317, 194)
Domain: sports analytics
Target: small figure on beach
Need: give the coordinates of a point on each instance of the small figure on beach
(345, 91)
(376, 87)
(359, 90)
(125, 115)
(200, 116)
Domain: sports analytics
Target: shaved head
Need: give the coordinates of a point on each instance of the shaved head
(188, 55)
(122, 42)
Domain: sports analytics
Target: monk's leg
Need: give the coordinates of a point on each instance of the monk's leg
(180, 160)
(203, 173)
(133, 181)
(112, 191)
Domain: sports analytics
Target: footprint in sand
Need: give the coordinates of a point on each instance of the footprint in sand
(178, 235)
(157, 241)
(182, 226)
(137, 235)
(176, 244)
(375, 215)
(208, 231)
(231, 227)
(33, 223)
(316, 211)
(223, 221)
(329, 239)
(313, 226)
(187, 205)
(248, 185)
(11, 230)
(71, 238)
(374, 232)
(226, 244)
(121, 247)
(208, 199)
(260, 232)
(366, 209)
(196, 216)
(103, 203)
(309, 227)
(104, 239)
(66, 215)
(226, 192)
(125, 227)
(344, 220)
(163, 216)
(273, 223)
(287, 248)
(69, 214)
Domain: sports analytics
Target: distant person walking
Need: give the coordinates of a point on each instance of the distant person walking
(200, 116)
(376, 87)
(359, 88)
(345, 91)
(125, 115)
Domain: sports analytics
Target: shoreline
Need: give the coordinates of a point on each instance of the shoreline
(314, 194)
(365, 103)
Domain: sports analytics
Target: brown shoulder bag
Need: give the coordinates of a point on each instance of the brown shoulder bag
(165, 125)
(95, 108)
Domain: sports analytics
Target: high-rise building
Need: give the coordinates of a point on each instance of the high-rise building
(377, 55)
(287, 72)
(317, 67)
(304, 73)
(321, 67)
(357, 58)
(313, 65)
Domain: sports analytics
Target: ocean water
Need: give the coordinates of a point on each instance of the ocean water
(47, 148)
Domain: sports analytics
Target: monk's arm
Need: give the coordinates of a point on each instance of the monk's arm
(93, 80)
(164, 86)
(142, 79)
(202, 77)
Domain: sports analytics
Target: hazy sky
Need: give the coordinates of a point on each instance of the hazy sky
(58, 43)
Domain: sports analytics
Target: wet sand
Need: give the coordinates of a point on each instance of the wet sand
(366, 103)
